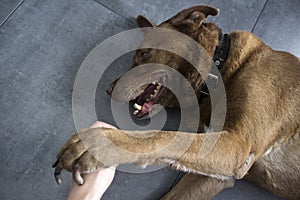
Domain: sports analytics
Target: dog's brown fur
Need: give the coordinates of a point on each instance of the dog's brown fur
(261, 137)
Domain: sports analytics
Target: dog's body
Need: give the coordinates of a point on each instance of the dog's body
(261, 136)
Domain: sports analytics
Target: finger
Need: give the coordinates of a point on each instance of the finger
(57, 173)
(76, 174)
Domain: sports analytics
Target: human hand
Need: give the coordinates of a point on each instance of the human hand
(95, 184)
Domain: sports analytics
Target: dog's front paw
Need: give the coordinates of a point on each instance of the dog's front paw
(75, 157)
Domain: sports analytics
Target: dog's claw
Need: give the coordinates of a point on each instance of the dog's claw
(58, 179)
(55, 163)
(77, 176)
(57, 173)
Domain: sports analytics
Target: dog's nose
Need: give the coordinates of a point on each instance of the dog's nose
(110, 88)
(109, 91)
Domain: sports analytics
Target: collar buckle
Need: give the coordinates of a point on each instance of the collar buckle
(220, 56)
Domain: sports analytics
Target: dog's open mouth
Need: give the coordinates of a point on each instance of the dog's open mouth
(151, 95)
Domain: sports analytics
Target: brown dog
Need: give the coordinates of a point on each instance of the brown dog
(261, 136)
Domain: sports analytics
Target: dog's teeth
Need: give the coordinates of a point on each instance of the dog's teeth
(155, 91)
(137, 106)
(151, 96)
(155, 82)
(135, 112)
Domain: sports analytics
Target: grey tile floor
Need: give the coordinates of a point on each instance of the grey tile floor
(42, 45)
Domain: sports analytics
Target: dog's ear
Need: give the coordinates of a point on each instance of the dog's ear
(143, 22)
(193, 16)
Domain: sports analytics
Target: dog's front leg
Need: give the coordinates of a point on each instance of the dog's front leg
(94, 149)
(194, 186)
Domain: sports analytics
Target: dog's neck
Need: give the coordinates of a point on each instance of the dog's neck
(234, 50)
(220, 56)
(222, 50)
(242, 46)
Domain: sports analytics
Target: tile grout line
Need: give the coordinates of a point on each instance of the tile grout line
(262, 10)
(130, 21)
(11, 13)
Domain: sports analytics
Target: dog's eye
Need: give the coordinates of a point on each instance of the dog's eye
(144, 55)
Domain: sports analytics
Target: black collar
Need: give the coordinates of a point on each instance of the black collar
(221, 54)
(222, 50)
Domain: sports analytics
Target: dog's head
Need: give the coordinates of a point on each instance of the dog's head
(189, 22)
